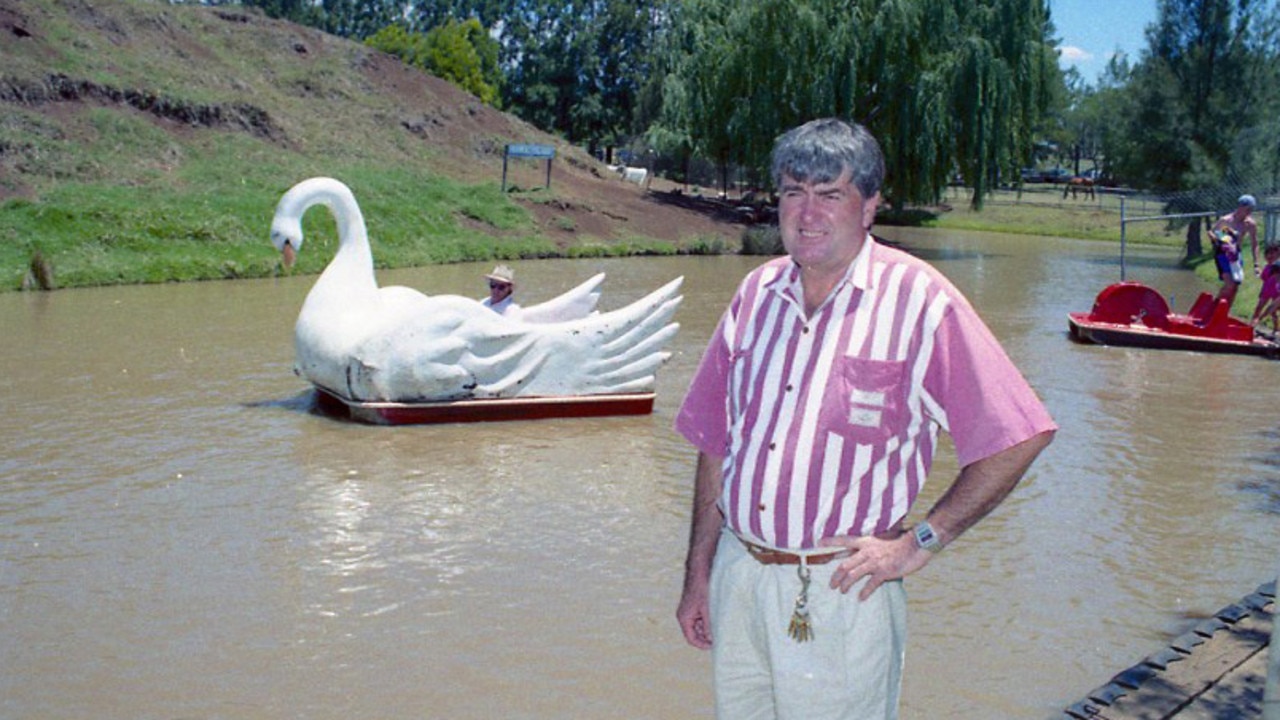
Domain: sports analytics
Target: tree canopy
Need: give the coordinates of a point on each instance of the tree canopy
(460, 52)
(948, 86)
(1199, 108)
(952, 88)
(576, 67)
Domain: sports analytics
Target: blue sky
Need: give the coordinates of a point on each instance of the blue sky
(1091, 31)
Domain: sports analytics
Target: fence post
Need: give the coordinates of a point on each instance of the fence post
(1122, 227)
(1194, 246)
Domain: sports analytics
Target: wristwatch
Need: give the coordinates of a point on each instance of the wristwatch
(926, 537)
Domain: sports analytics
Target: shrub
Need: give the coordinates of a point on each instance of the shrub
(762, 240)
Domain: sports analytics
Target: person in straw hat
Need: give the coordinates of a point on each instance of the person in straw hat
(502, 288)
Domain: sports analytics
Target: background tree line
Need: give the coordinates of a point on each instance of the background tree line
(953, 88)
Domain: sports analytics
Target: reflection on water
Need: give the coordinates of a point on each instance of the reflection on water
(181, 536)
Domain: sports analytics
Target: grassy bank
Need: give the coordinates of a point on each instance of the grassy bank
(1041, 210)
(211, 223)
(91, 234)
(83, 235)
(97, 235)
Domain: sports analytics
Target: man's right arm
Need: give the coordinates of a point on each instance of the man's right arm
(694, 613)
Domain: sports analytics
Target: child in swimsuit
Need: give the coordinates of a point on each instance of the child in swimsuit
(1269, 297)
(1226, 254)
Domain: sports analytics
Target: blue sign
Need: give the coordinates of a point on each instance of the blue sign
(533, 151)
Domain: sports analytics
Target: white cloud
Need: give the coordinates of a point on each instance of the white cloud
(1073, 54)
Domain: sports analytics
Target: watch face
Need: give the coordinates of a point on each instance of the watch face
(926, 538)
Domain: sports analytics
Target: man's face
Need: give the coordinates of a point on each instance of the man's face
(823, 225)
(498, 291)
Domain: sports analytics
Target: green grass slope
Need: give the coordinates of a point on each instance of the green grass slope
(144, 142)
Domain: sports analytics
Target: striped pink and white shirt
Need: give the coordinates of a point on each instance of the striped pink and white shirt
(828, 424)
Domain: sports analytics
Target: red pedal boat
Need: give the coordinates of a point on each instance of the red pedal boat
(1133, 314)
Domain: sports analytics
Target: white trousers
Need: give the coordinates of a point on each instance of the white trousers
(850, 670)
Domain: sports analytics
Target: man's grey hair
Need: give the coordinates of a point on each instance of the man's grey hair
(821, 150)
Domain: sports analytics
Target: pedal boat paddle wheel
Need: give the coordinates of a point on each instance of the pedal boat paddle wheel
(1135, 315)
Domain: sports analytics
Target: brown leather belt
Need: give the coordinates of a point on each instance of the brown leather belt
(769, 556)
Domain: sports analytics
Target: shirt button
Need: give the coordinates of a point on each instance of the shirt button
(805, 329)
(761, 507)
(773, 446)
(790, 388)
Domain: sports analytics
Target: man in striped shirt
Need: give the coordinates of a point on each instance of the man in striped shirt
(816, 411)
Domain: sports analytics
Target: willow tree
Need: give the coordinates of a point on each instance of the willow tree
(737, 79)
(947, 85)
(1000, 81)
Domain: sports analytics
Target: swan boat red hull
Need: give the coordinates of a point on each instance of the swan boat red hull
(1135, 315)
(489, 410)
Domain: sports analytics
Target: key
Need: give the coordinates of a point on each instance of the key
(800, 628)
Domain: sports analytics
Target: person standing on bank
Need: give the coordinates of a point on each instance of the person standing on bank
(502, 288)
(1240, 221)
(816, 410)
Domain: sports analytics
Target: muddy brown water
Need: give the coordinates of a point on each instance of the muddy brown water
(180, 537)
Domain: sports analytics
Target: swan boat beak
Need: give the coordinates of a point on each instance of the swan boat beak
(288, 255)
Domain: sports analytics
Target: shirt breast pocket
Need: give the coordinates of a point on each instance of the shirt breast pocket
(866, 399)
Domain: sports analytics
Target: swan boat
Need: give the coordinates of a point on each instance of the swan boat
(1133, 314)
(394, 355)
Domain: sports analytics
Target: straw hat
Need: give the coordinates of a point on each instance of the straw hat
(502, 273)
